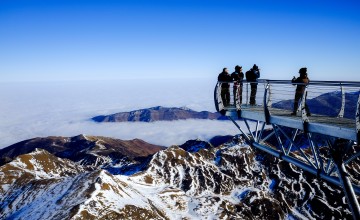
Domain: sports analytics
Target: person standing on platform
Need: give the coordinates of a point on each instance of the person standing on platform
(238, 77)
(251, 76)
(300, 83)
(224, 77)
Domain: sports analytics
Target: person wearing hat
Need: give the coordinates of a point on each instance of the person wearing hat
(237, 77)
(251, 76)
(300, 83)
(225, 77)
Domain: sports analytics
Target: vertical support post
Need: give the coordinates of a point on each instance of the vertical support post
(217, 97)
(304, 117)
(269, 99)
(237, 97)
(342, 109)
(338, 155)
(233, 93)
(265, 103)
(357, 119)
(247, 93)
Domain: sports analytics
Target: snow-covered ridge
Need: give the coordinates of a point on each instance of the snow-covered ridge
(192, 181)
(92, 151)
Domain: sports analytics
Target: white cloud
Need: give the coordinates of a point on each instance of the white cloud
(31, 110)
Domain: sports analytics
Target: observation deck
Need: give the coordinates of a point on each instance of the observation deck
(334, 106)
(324, 142)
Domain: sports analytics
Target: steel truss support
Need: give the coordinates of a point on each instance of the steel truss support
(338, 151)
(310, 160)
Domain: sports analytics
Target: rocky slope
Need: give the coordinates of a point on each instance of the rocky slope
(193, 181)
(157, 114)
(91, 151)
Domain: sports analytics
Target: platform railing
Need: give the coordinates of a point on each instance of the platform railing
(235, 95)
(330, 99)
(339, 93)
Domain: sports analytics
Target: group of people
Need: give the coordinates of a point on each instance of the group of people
(252, 76)
(237, 77)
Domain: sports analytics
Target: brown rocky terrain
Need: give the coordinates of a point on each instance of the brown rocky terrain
(195, 180)
(90, 150)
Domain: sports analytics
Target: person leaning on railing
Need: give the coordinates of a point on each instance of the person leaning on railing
(225, 91)
(251, 76)
(300, 83)
(237, 77)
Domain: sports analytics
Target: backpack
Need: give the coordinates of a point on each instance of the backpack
(249, 75)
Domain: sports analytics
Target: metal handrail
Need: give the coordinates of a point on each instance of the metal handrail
(312, 82)
(318, 82)
(323, 86)
(280, 95)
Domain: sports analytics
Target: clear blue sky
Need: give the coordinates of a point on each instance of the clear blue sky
(103, 39)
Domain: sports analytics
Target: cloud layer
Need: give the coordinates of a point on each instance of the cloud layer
(31, 110)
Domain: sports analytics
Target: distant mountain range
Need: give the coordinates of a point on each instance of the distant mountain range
(328, 104)
(92, 151)
(158, 114)
(87, 177)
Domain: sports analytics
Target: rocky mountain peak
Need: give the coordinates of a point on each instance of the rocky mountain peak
(88, 150)
(195, 180)
(39, 164)
(195, 145)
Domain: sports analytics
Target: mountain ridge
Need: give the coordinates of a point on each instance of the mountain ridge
(158, 113)
(91, 151)
(190, 181)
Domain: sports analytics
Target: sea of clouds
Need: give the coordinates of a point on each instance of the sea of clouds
(41, 109)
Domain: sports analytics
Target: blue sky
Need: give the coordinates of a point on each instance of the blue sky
(53, 40)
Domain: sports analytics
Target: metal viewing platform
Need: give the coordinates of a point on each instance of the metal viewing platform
(322, 141)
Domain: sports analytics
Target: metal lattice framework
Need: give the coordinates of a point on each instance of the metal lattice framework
(321, 143)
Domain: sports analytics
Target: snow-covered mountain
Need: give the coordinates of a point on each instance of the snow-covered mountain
(157, 114)
(192, 181)
(91, 151)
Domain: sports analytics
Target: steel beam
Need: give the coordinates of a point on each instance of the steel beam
(302, 165)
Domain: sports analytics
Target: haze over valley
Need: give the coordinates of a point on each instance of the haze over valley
(41, 109)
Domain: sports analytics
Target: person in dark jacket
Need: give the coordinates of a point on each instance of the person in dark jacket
(300, 83)
(237, 77)
(225, 91)
(251, 76)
